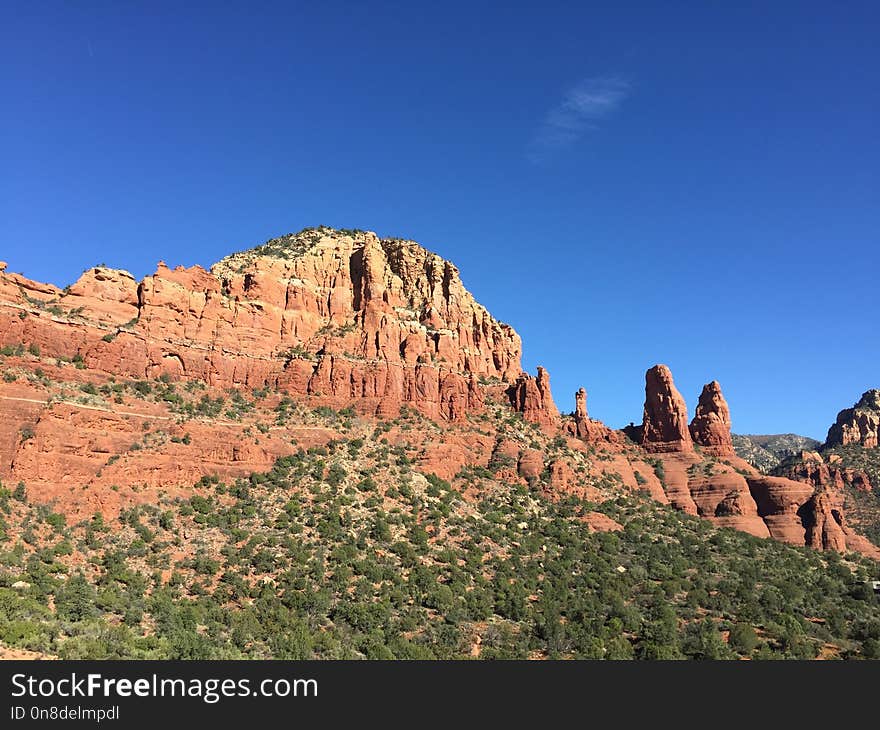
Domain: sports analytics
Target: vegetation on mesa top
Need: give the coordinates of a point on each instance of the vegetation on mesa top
(294, 245)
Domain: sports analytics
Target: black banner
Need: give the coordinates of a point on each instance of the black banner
(236, 694)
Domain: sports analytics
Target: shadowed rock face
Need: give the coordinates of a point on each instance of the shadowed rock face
(711, 425)
(665, 420)
(859, 424)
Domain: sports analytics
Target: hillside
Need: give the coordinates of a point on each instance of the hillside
(765, 452)
(348, 551)
(324, 446)
(848, 462)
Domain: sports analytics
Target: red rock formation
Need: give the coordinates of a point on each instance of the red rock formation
(859, 424)
(350, 320)
(598, 522)
(106, 296)
(87, 458)
(531, 464)
(822, 517)
(711, 425)
(585, 428)
(778, 501)
(345, 319)
(782, 508)
(676, 480)
(580, 406)
(813, 468)
(505, 459)
(665, 422)
(531, 397)
(725, 499)
(447, 457)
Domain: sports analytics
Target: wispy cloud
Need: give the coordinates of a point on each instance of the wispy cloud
(581, 108)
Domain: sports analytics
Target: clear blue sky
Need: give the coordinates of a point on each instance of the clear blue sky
(625, 183)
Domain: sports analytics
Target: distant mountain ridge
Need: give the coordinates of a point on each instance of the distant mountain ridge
(767, 451)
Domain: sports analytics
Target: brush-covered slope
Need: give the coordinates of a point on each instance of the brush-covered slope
(349, 551)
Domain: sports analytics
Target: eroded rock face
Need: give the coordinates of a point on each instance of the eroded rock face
(813, 468)
(665, 420)
(710, 427)
(587, 429)
(725, 499)
(859, 424)
(81, 457)
(107, 296)
(823, 522)
(531, 397)
(346, 318)
(733, 494)
(778, 501)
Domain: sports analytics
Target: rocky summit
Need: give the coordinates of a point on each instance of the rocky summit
(847, 464)
(859, 424)
(332, 385)
(345, 318)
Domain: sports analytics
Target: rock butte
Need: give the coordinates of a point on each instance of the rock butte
(342, 318)
(665, 419)
(346, 319)
(711, 424)
(859, 424)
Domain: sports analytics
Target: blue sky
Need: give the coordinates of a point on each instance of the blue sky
(625, 183)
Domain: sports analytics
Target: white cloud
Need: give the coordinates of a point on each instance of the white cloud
(582, 106)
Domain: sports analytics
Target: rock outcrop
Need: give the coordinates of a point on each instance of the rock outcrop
(813, 468)
(711, 425)
(726, 500)
(665, 420)
(531, 397)
(717, 485)
(859, 424)
(587, 429)
(822, 518)
(343, 317)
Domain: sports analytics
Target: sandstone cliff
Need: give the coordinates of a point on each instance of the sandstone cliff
(343, 317)
(531, 397)
(859, 424)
